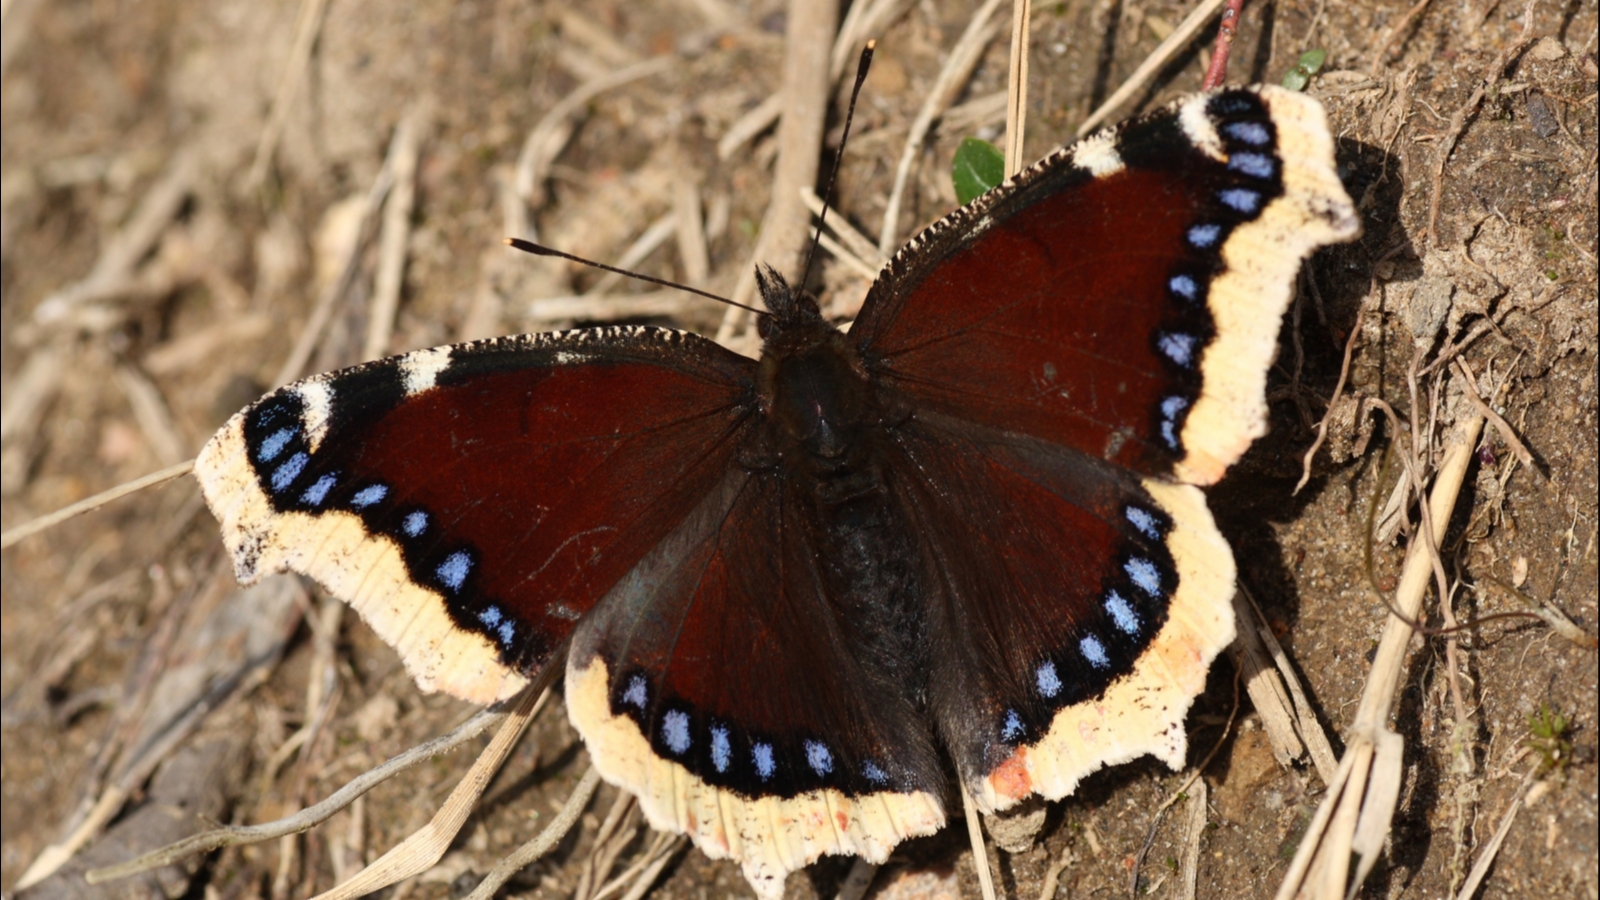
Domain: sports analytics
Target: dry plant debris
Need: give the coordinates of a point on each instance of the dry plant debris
(167, 171)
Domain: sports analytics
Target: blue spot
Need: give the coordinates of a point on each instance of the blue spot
(1202, 237)
(721, 750)
(1012, 729)
(761, 755)
(818, 756)
(1178, 347)
(1144, 574)
(1252, 133)
(368, 496)
(1256, 165)
(491, 616)
(1241, 199)
(318, 491)
(1122, 613)
(1142, 520)
(274, 444)
(1184, 287)
(1094, 652)
(285, 474)
(638, 693)
(675, 731)
(453, 571)
(415, 523)
(873, 773)
(507, 632)
(1049, 683)
(1170, 409)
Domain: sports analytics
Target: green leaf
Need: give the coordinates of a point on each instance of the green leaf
(1309, 64)
(1312, 61)
(978, 166)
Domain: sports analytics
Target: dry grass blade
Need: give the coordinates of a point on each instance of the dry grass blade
(644, 871)
(393, 238)
(1490, 850)
(523, 856)
(857, 246)
(980, 850)
(311, 335)
(1355, 814)
(1193, 830)
(154, 415)
(132, 242)
(784, 232)
(1159, 57)
(429, 843)
(545, 141)
(1017, 85)
(963, 58)
(51, 520)
(857, 880)
(307, 27)
(311, 816)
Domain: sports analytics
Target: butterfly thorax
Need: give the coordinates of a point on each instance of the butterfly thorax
(828, 435)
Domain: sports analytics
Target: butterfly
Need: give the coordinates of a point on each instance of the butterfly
(798, 597)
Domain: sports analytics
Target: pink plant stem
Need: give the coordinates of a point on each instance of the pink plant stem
(1218, 73)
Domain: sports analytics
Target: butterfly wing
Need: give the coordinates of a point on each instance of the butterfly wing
(1074, 606)
(1124, 295)
(1074, 351)
(720, 683)
(472, 502)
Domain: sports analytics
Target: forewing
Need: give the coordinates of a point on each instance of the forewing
(1074, 607)
(718, 683)
(474, 501)
(1124, 295)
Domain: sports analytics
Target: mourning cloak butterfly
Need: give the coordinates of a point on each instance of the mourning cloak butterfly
(791, 588)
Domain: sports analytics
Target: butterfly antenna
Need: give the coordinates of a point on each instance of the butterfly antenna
(862, 65)
(542, 250)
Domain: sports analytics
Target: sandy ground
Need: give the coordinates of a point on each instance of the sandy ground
(166, 237)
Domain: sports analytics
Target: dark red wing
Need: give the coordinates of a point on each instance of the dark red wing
(1123, 295)
(1073, 606)
(474, 501)
(721, 684)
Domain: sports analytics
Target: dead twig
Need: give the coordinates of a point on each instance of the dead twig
(524, 856)
(311, 816)
(1217, 72)
(394, 235)
(1158, 58)
(1355, 814)
(308, 25)
(51, 520)
(1399, 29)
(784, 233)
(428, 844)
(1017, 85)
(958, 67)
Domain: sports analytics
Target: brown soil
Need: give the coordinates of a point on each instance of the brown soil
(100, 98)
